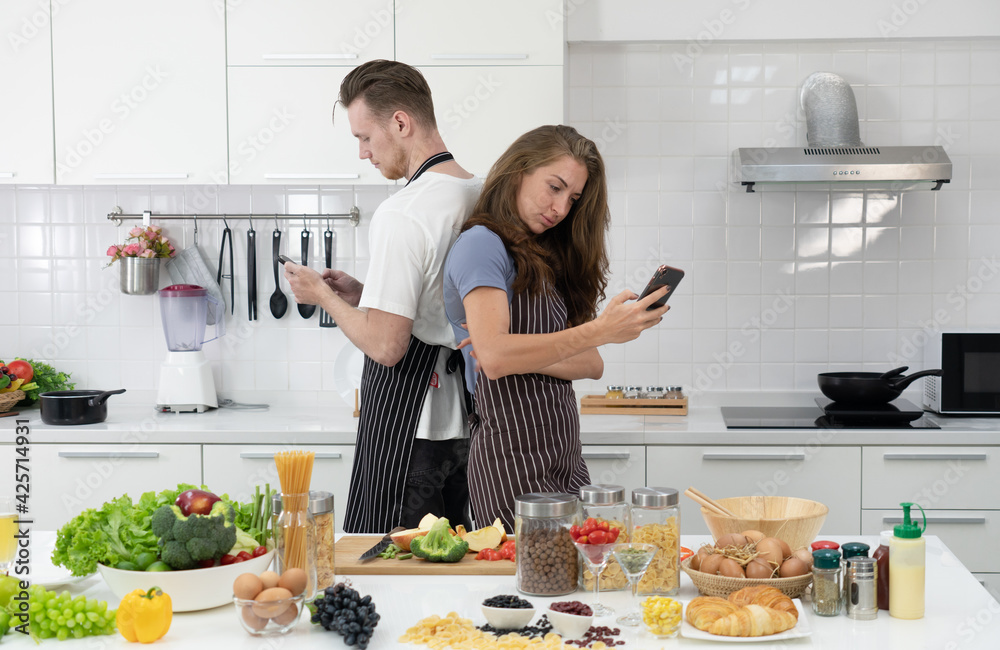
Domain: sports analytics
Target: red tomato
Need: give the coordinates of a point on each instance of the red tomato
(598, 537)
(260, 550)
(583, 539)
(574, 531)
(206, 564)
(481, 555)
(22, 369)
(507, 550)
(613, 535)
(588, 526)
(227, 559)
(603, 525)
(237, 560)
(243, 555)
(686, 553)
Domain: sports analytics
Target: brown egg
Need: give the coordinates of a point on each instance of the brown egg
(786, 550)
(730, 539)
(710, 564)
(253, 621)
(804, 555)
(753, 535)
(731, 568)
(770, 550)
(247, 586)
(271, 602)
(792, 567)
(294, 580)
(759, 569)
(269, 578)
(288, 615)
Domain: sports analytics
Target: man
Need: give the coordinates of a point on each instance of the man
(412, 444)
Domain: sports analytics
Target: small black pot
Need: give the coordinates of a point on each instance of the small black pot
(61, 407)
(868, 388)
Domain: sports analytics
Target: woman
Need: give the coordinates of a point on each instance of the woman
(521, 289)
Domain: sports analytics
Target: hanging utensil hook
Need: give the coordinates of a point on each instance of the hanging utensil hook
(195, 230)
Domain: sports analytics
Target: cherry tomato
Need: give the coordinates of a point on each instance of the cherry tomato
(613, 535)
(598, 537)
(206, 564)
(260, 550)
(603, 525)
(243, 555)
(574, 531)
(237, 560)
(227, 559)
(507, 550)
(686, 553)
(583, 539)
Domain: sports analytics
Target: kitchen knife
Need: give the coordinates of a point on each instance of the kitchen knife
(381, 546)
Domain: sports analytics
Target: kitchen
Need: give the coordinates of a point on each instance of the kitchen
(780, 286)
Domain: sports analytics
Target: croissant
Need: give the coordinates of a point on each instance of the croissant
(705, 610)
(753, 620)
(766, 596)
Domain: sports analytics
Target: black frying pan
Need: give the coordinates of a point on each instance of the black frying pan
(868, 387)
(61, 407)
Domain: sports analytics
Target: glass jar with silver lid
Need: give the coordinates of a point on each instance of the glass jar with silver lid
(605, 502)
(633, 392)
(653, 392)
(656, 519)
(674, 392)
(546, 559)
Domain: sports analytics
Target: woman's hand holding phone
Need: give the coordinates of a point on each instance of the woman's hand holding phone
(623, 320)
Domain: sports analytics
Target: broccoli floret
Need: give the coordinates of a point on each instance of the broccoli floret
(186, 541)
(439, 545)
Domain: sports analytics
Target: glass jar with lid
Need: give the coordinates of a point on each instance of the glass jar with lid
(656, 519)
(607, 503)
(653, 392)
(546, 558)
(615, 392)
(674, 392)
(633, 392)
(321, 509)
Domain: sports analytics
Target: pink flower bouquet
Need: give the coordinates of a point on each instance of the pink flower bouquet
(142, 242)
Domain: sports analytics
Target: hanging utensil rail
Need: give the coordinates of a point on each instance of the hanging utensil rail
(354, 216)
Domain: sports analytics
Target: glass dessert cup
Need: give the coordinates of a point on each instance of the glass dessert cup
(596, 556)
(634, 559)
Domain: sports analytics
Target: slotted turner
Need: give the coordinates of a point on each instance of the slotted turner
(325, 319)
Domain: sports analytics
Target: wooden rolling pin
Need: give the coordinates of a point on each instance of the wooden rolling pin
(704, 500)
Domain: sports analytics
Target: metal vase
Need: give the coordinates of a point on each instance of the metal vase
(140, 276)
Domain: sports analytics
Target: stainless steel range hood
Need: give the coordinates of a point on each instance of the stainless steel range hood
(835, 157)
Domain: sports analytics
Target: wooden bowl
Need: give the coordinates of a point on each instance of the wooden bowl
(722, 586)
(797, 521)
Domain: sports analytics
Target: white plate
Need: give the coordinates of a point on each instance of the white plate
(48, 575)
(347, 371)
(801, 629)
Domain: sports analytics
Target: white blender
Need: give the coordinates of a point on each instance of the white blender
(186, 383)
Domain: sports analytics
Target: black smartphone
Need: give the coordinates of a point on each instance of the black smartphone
(664, 275)
(285, 258)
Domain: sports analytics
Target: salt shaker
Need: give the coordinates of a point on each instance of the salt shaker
(861, 588)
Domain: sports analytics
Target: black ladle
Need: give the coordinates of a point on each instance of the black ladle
(306, 311)
(278, 301)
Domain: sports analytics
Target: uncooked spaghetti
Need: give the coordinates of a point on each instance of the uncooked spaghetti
(295, 474)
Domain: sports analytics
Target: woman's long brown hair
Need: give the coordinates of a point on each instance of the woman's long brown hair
(571, 257)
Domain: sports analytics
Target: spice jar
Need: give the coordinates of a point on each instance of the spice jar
(605, 503)
(294, 538)
(653, 392)
(614, 392)
(822, 543)
(546, 558)
(847, 551)
(656, 519)
(826, 591)
(632, 392)
(321, 509)
(860, 588)
(674, 392)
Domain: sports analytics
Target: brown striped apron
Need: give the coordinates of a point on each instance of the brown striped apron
(527, 438)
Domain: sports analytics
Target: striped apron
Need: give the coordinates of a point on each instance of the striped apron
(527, 438)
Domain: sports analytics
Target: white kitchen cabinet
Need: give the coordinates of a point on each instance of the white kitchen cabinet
(282, 128)
(481, 110)
(139, 92)
(934, 477)
(477, 32)
(970, 534)
(623, 465)
(26, 79)
(236, 469)
(68, 479)
(308, 32)
(830, 475)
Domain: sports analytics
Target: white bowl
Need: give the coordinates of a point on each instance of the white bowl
(569, 626)
(508, 618)
(189, 590)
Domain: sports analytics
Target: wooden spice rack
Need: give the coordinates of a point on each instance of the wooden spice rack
(600, 405)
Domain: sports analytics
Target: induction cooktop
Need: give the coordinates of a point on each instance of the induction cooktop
(827, 414)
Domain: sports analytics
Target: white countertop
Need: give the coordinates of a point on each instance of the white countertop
(330, 425)
(960, 613)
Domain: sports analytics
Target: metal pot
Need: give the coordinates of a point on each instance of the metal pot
(61, 407)
(868, 387)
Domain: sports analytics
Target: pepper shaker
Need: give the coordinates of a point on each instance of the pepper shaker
(861, 588)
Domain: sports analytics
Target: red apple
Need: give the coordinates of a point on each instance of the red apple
(22, 369)
(196, 502)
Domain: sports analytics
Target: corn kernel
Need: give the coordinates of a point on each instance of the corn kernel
(661, 615)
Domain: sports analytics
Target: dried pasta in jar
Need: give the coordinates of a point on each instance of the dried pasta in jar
(612, 578)
(662, 578)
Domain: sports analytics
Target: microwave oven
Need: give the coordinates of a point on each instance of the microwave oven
(970, 373)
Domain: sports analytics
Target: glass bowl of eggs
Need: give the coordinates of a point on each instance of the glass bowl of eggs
(269, 604)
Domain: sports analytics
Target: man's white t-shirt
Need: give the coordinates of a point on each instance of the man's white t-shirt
(409, 238)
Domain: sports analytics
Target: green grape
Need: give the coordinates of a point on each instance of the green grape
(62, 616)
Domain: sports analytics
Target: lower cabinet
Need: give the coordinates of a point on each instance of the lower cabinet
(67, 479)
(970, 534)
(237, 469)
(830, 475)
(617, 465)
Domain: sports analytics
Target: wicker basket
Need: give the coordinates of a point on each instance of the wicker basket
(722, 586)
(8, 400)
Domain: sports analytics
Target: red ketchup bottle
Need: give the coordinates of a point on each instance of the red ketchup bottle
(881, 556)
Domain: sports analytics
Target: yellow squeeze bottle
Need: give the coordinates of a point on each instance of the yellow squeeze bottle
(907, 560)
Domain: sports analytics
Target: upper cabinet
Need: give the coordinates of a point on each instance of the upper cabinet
(308, 32)
(140, 92)
(476, 32)
(26, 79)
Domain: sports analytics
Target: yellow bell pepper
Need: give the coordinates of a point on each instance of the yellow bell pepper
(144, 616)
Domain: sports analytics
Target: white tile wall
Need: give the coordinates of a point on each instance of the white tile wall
(795, 283)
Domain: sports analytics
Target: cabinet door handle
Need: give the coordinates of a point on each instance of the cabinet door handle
(269, 455)
(280, 177)
(309, 57)
(606, 455)
(109, 454)
(934, 457)
(939, 520)
(488, 57)
(141, 175)
(751, 456)
(6, 174)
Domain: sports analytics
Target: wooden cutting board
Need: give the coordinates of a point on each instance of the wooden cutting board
(350, 547)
